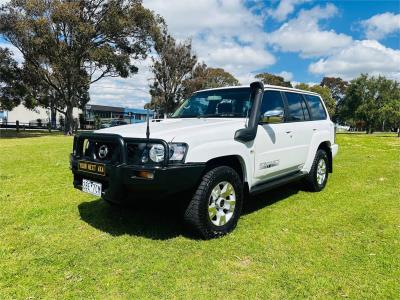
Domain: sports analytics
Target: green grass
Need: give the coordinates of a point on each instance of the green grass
(57, 242)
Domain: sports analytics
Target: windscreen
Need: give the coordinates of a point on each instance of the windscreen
(233, 102)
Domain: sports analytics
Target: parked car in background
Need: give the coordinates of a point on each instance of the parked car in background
(113, 123)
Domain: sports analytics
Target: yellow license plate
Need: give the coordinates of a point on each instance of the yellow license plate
(93, 168)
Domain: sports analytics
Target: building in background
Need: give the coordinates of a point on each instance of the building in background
(94, 114)
(90, 118)
(31, 117)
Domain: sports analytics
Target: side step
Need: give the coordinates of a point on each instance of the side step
(269, 185)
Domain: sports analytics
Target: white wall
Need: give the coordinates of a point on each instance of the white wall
(24, 115)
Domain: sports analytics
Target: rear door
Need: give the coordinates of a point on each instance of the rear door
(300, 127)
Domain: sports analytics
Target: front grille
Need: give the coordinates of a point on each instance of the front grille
(135, 152)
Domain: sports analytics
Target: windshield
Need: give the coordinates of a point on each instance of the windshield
(216, 104)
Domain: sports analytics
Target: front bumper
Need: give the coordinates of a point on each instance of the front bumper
(121, 181)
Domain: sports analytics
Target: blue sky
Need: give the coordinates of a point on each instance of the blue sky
(302, 40)
(348, 21)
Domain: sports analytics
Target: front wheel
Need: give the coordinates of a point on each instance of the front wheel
(217, 203)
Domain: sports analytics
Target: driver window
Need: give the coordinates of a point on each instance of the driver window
(272, 100)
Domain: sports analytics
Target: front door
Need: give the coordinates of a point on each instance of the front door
(273, 145)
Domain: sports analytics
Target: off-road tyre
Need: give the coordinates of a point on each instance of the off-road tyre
(197, 212)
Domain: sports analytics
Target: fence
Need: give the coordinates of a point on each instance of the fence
(31, 125)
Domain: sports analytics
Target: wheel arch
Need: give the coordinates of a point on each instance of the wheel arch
(326, 146)
(236, 162)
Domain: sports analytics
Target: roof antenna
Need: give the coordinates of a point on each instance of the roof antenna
(148, 126)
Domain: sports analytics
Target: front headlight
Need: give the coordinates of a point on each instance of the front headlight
(177, 152)
(157, 153)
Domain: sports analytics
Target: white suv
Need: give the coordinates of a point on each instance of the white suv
(219, 145)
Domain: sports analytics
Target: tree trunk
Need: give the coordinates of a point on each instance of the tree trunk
(166, 108)
(53, 118)
(69, 121)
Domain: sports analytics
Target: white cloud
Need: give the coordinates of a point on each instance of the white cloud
(198, 17)
(224, 33)
(381, 25)
(130, 92)
(284, 9)
(304, 35)
(16, 53)
(309, 83)
(367, 56)
(288, 76)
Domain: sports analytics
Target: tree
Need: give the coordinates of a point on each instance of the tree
(173, 64)
(325, 94)
(12, 91)
(67, 45)
(389, 111)
(204, 77)
(337, 86)
(372, 100)
(271, 79)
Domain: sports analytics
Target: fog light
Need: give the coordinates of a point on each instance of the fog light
(145, 174)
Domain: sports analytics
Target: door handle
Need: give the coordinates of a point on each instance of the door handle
(315, 129)
(288, 132)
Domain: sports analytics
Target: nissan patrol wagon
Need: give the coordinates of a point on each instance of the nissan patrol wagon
(218, 146)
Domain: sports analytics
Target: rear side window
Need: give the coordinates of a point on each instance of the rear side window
(317, 109)
(296, 107)
(272, 100)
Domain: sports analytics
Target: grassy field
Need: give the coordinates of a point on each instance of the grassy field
(56, 242)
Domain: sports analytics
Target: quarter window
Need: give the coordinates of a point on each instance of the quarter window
(296, 106)
(317, 109)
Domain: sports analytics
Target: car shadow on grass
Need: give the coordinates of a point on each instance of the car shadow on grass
(163, 220)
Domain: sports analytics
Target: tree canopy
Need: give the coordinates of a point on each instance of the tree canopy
(204, 77)
(67, 45)
(372, 100)
(171, 67)
(12, 91)
(272, 79)
(337, 86)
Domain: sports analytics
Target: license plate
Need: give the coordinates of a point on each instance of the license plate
(93, 168)
(91, 187)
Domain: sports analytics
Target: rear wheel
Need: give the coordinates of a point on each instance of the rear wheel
(318, 176)
(217, 203)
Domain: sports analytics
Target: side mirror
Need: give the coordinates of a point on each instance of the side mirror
(272, 117)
